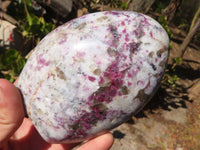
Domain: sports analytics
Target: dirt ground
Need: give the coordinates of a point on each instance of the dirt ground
(171, 120)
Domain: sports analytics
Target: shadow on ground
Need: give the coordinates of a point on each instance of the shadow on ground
(167, 96)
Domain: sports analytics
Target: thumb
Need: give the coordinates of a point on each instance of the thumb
(11, 110)
(102, 142)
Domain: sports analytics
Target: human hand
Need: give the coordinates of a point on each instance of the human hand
(18, 133)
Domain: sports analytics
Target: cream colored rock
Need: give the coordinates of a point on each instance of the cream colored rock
(9, 37)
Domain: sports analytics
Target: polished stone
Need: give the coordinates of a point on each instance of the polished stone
(93, 73)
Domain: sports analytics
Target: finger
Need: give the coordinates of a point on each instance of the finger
(26, 138)
(103, 142)
(11, 110)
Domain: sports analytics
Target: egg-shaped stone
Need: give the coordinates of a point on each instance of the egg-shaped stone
(92, 74)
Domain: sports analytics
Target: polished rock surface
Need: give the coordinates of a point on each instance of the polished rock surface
(92, 73)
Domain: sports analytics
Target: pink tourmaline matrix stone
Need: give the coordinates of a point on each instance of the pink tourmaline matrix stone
(93, 73)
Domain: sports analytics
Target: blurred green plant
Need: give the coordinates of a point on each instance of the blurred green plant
(172, 80)
(11, 64)
(34, 27)
(159, 5)
(124, 5)
(163, 21)
(170, 76)
(177, 61)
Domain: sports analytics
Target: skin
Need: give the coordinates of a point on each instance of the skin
(18, 133)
